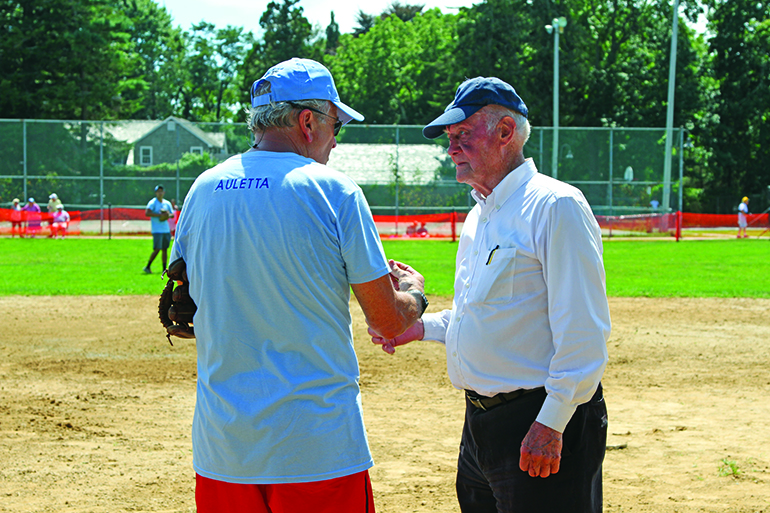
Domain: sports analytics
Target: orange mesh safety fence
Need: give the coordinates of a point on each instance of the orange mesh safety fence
(637, 224)
(421, 226)
(447, 225)
(98, 221)
(722, 220)
(116, 214)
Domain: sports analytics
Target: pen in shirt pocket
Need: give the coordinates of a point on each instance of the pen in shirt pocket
(492, 254)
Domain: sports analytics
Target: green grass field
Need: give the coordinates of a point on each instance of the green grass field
(723, 268)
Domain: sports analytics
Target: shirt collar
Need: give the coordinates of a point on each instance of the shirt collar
(507, 185)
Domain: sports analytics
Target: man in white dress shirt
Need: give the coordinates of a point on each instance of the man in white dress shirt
(526, 336)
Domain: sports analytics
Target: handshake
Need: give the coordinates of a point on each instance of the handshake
(404, 279)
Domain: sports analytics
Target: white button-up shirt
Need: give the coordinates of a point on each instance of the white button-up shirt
(530, 306)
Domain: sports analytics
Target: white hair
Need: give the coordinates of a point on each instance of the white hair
(497, 112)
(279, 114)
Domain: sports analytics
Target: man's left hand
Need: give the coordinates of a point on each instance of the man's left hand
(541, 451)
(405, 277)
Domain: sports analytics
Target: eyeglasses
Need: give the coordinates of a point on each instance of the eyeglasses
(337, 122)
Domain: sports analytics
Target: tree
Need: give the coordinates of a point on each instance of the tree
(231, 46)
(287, 34)
(506, 39)
(613, 58)
(214, 58)
(398, 72)
(161, 50)
(332, 36)
(740, 131)
(404, 12)
(365, 23)
(623, 78)
(66, 59)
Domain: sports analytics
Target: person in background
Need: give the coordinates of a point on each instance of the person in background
(175, 217)
(743, 211)
(159, 211)
(411, 230)
(16, 216)
(60, 222)
(526, 337)
(32, 214)
(273, 241)
(53, 203)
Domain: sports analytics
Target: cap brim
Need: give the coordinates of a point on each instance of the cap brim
(347, 114)
(450, 117)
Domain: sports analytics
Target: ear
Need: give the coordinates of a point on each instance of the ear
(506, 130)
(306, 125)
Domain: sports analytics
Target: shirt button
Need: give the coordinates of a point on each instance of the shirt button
(454, 353)
(467, 285)
(484, 220)
(498, 207)
(475, 253)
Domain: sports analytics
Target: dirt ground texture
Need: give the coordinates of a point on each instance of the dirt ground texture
(96, 407)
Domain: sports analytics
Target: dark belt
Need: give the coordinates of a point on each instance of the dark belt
(487, 403)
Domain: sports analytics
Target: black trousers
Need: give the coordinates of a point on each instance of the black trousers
(489, 479)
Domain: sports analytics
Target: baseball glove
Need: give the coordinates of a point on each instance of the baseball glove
(176, 308)
(164, 216)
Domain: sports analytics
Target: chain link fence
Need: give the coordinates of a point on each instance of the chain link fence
(93, 164)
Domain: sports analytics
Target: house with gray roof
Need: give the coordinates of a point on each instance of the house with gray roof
(155, 142)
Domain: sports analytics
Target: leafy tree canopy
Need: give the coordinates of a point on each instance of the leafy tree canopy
(67, 59)
(96, 59)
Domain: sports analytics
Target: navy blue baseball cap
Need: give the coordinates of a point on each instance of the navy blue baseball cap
(471, 96)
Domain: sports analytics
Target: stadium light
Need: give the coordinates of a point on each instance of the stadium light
(556, 27)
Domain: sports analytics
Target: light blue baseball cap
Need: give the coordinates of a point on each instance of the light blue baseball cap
(300, 79)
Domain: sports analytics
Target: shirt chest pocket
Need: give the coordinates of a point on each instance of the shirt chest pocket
(496, 278)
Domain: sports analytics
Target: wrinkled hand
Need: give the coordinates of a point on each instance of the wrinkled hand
(405, 277)
(541, 451)
(415, 332)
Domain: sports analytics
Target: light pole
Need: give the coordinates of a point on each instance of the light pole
(670, 112)
(557, 27)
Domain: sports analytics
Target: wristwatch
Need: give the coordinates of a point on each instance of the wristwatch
(421, 299)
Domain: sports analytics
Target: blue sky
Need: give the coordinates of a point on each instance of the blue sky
(246, 13)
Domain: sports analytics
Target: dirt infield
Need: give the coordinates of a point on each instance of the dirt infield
(95, 410)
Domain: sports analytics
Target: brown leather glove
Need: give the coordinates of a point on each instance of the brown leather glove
(175, 307)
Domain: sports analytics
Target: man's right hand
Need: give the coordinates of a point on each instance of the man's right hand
(415, 332)
(541, 451)
(387, 305)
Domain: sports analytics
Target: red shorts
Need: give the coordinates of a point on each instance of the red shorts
(349, 494)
